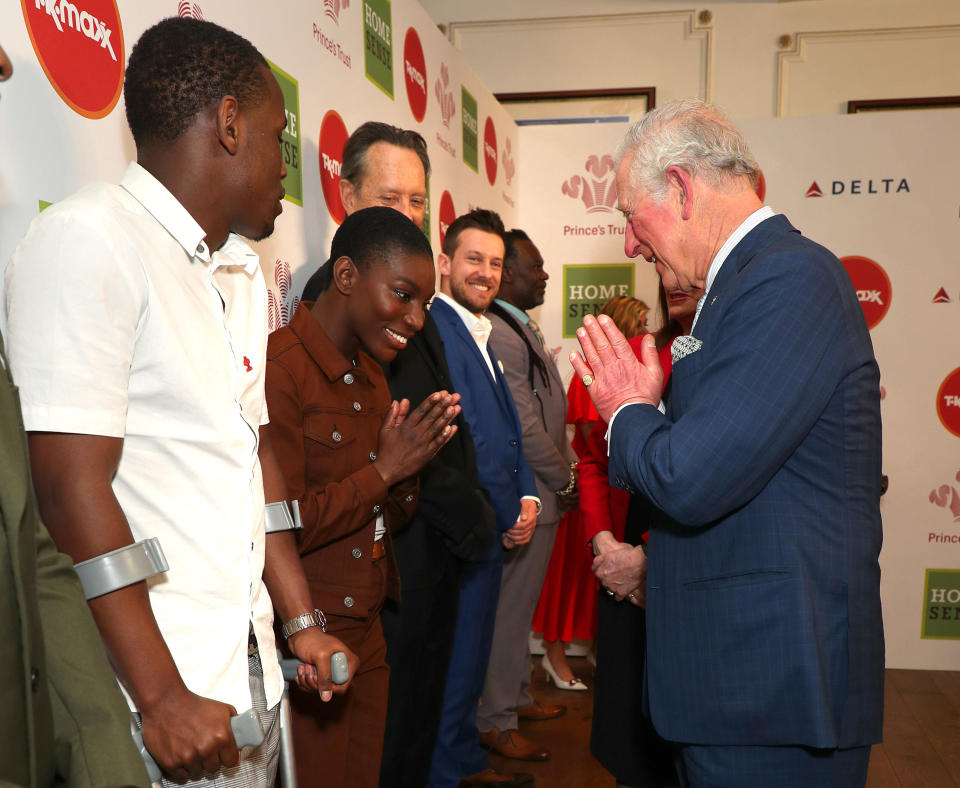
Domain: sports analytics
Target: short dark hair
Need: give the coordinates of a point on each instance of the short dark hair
(510, 238)
(477, 219)
(369, 236)
(181, 66)
(352, 168)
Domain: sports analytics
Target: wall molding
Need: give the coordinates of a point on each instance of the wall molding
(803, 42)
(686, 21)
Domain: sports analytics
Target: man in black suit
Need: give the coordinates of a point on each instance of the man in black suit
(384, 165)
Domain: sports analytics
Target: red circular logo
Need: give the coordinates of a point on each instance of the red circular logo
(872, 285)
(333, 136)
(948, 402)
(80, 48)
(415, 74)
(447, 214)
(490, 150)
(761, 187)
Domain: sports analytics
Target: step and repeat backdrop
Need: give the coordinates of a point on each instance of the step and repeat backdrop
(339, 64)
(881, 191)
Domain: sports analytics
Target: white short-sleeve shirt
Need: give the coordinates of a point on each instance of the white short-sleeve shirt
(119, 321)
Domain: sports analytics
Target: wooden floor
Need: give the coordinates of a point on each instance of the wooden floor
(921, 732)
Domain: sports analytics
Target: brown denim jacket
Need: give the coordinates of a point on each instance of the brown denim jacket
(325, 416)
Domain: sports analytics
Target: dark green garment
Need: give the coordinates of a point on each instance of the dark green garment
(63, 719)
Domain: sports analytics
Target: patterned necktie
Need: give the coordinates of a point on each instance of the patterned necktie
(537, 332)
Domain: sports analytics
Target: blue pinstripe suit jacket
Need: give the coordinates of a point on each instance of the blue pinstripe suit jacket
(764, 623)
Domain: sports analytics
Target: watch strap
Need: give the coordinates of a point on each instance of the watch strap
(314, 618)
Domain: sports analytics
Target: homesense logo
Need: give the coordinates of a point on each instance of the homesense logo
(77, 45)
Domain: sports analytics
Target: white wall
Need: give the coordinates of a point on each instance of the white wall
(836, 49)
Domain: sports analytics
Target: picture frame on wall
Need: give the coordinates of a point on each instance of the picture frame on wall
(856, 106)
(605, 105)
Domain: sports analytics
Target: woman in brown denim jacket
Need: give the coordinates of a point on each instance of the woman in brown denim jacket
(350, 457)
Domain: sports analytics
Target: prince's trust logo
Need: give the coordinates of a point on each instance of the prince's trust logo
(332, 8)
(597, 187)
(280, 305)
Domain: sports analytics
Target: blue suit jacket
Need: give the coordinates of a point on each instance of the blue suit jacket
(763, 605)
(489, 410)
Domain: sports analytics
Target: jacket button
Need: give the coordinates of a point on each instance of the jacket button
(376, 509)
(409, 499)
(348, 378)
(357, 407)
(513, 443)
(356, 552)
(373, 456)
(348, 601)
(337, 437)
(35, 679)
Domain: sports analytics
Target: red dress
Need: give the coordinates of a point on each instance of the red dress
(567, 609)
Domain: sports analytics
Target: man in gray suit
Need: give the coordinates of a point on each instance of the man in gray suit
(538, 393)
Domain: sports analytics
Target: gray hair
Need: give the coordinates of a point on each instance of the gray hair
(690, 134)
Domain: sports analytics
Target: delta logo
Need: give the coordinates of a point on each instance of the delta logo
(490, 150)
(597, 187)
(446, 215)
(415, 74)
(872, 284)
(332, 9)
(189, 10)
(506, 159)
(942, 297)
(948, 402)
(444, 95)
(333, 136)
(80, 49)
(861, 186)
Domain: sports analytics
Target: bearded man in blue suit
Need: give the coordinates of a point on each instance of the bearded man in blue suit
(765, 640)
(470, 267)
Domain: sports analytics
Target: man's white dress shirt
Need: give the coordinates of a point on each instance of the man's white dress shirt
(121, 322)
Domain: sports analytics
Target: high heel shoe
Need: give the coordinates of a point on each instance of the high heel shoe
(574, 683)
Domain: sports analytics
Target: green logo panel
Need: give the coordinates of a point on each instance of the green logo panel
(378, 44)
(470, 126)
(293, 183)
(426, 215)
(941, 605)
(587, 287)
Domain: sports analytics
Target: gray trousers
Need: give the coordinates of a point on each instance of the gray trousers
(508, 676)
(258, 766)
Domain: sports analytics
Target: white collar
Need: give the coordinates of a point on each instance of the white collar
(759, 215)
(177, 221)
(478, 325)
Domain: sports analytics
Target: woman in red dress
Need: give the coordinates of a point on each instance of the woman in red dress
(567, 609)
(621, 737)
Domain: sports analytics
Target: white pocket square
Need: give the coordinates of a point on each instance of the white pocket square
(683, 346)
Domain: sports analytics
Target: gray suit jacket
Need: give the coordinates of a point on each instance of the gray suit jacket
(542, 411)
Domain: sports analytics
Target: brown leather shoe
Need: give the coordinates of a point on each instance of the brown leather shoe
(493, 777)
(510, 744)
(541, 711)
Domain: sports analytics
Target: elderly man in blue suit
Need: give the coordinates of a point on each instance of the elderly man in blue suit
(470, 267)
(765, 639)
